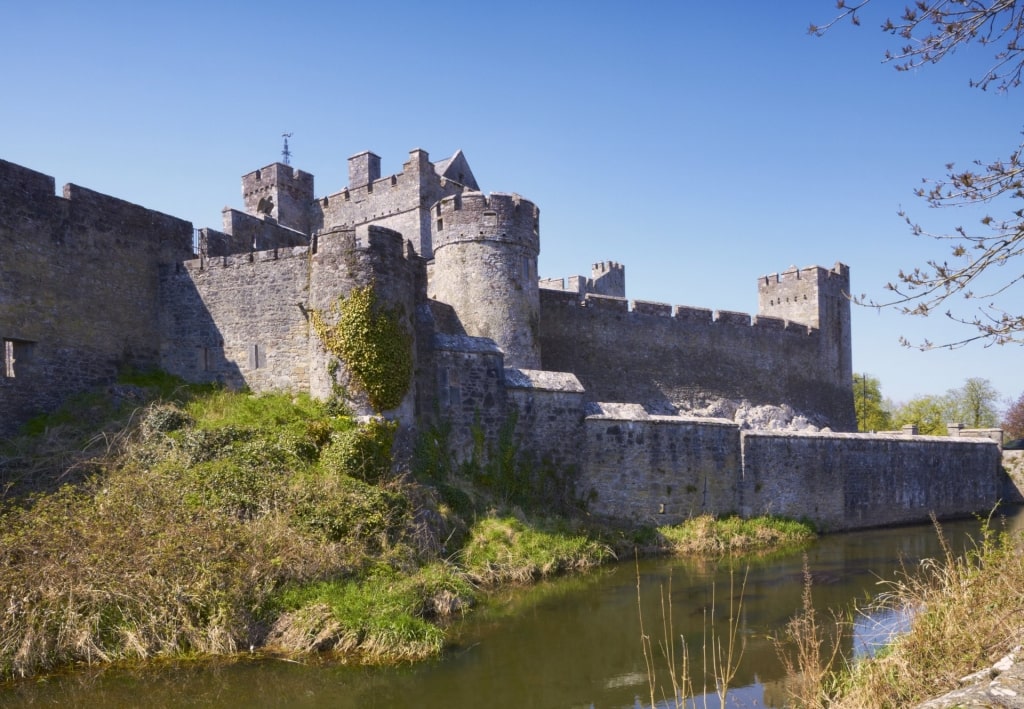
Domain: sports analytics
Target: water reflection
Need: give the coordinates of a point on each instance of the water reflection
(573, 643)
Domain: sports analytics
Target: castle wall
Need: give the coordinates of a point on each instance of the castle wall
(641, 469)
(851, 481)
(549, 410)
(1013, 477)
(658, 469)
(237, 320)
(66, 262)
(280, 192)
(470, 393)
(819, 298)
(668, 358)
(244, 233)
(244, 320)
(607, 278)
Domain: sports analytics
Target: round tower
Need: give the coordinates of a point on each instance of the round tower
(485, 267)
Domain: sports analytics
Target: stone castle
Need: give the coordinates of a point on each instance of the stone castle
(662, 412)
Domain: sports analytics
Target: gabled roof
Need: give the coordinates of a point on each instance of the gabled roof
(457, 169)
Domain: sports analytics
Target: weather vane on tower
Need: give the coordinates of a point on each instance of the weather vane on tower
(286, 153)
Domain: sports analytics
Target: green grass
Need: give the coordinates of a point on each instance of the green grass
(503, 550)
(384, 616)
(709, 536)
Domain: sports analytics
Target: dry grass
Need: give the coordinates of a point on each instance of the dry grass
(810, 650)
(720, 656)
(967, 612)
(185, 534)
(217, 522)
(970, 612)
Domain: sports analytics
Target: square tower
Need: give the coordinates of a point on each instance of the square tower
(280, 192)
(819, 298)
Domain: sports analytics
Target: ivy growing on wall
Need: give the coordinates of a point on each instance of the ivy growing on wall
(372, 342)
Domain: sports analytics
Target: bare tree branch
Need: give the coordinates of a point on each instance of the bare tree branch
(932, 30)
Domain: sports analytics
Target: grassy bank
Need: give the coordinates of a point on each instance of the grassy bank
(157, 520)
(968, 612)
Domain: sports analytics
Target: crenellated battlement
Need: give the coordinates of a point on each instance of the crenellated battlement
(838, 275)
(400, 201)
(811, 295)
(499, 217)
(602, 267)
(643, 311)
(607, 278)
(387, 244)
(377, 188)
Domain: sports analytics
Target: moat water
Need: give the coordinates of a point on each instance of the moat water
(572, 643)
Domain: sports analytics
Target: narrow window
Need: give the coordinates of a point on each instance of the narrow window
(257, 356)
(16, 353)
(442, 388)
(9, 359)
(440, 224)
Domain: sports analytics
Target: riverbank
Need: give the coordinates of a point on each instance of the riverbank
(962, 646)
(156, 520)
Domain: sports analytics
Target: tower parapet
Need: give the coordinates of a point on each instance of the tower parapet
(803, 295)
(473, 216)
(485, 267)
(280, 192)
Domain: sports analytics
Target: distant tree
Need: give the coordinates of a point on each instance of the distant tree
(1013, 421)
(928, 413)
(930, 30)
(872, 412)
(974, 404)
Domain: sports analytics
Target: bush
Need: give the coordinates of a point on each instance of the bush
(362, 452)
(507, 550)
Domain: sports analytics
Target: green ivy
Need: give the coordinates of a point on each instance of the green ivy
(372, 342)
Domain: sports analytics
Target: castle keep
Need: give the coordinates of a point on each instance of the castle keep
(662, 412)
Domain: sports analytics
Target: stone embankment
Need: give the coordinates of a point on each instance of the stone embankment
(1001, 685)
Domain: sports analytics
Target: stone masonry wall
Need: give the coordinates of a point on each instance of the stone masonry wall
(666, 357)
(245, 233)
(1013, 480)
(658, 469)
(549, 410)
(663, 470)
(238, 320)
(485, 267)
(344, 259)
(78, 288)
(850, 481)
(471, 395)
(245, 320)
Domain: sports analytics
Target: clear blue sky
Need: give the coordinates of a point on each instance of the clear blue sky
(701, 144)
